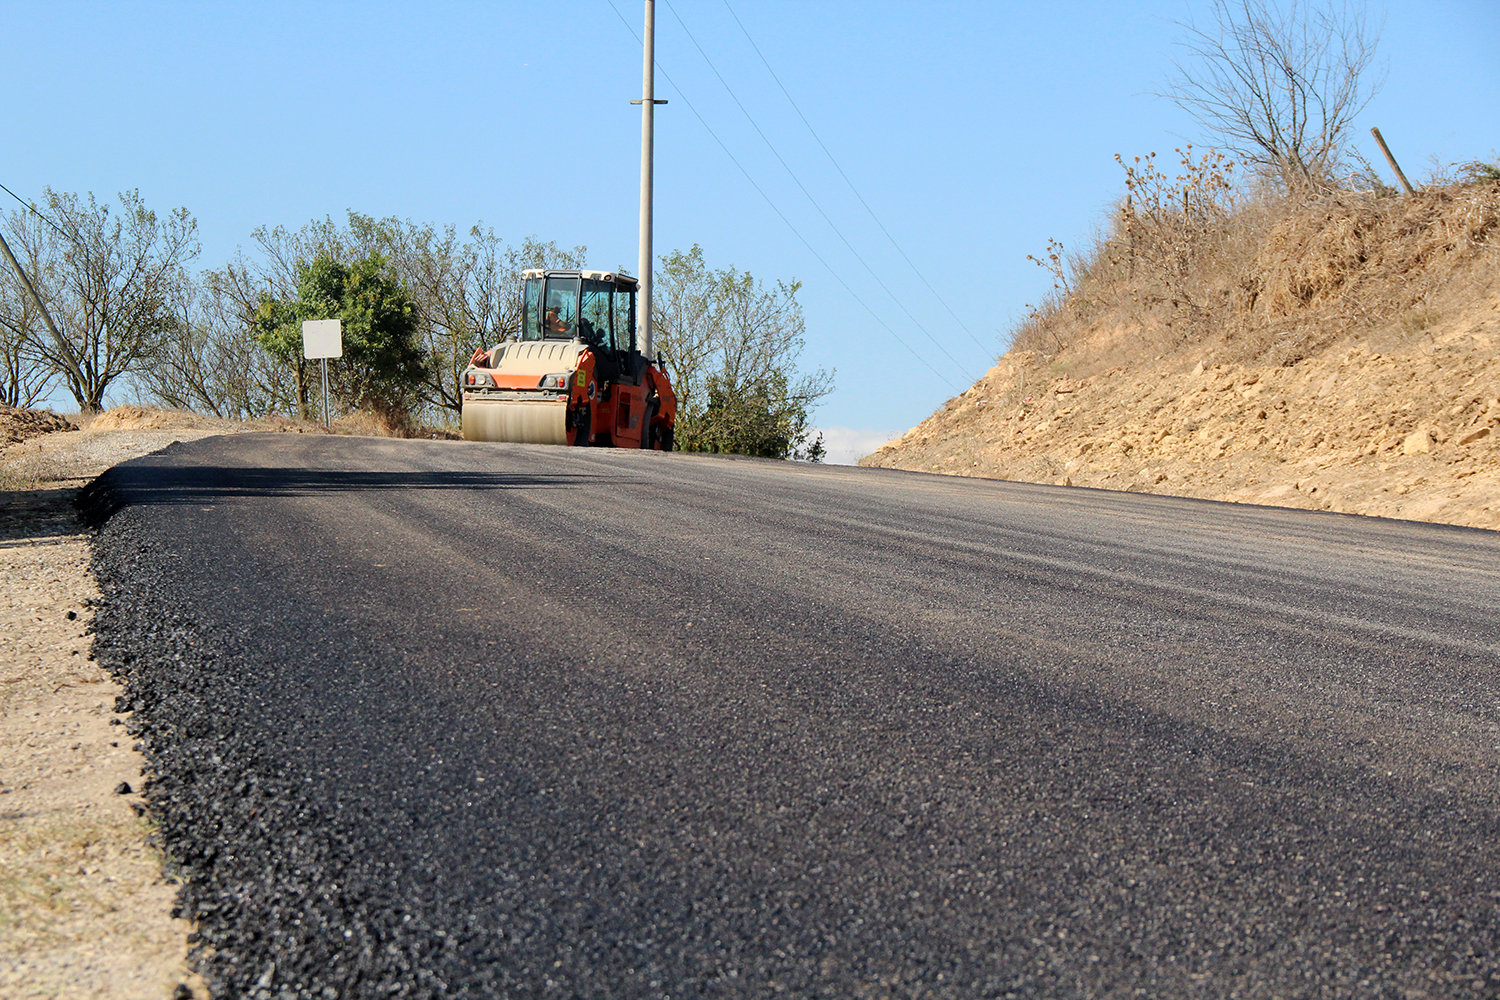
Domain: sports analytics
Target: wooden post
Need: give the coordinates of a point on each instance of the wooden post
(1391, 160)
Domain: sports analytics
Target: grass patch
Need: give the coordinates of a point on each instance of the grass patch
(53, 876)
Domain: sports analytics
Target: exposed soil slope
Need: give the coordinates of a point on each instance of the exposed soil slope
(1337, 357)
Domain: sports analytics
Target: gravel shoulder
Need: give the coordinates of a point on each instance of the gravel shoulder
(84, 903)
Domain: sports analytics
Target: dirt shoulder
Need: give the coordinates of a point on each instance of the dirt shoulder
(85, 908)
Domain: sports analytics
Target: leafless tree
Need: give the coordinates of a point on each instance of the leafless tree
(108, 280)
(211, 362)
(1280, 84)
(25, 376)
(231, 294)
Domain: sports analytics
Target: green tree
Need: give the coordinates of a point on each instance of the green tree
(465, 290)
(760, 418)
(382, 366)
(731, 346)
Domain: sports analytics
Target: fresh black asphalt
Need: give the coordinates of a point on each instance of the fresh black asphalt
(447, 719)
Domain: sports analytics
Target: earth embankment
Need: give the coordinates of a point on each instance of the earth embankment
(1335, 356)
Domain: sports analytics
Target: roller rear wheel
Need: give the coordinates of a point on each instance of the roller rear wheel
(581, 425)
(650, 437)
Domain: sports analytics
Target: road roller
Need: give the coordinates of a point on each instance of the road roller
(571, 373)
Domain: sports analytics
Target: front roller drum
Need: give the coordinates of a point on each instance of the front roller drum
(516, 421)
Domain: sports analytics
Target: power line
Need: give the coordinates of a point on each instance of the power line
(884, 285)
(847, 181)
(36, 212)
(714, 135)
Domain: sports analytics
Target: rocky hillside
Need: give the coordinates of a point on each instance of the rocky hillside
(1335, 355)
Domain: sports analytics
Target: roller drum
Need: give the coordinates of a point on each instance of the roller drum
(516, 421)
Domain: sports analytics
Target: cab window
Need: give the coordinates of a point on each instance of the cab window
(594, 327)
(531, 310)
(560, 309)
(624, 320)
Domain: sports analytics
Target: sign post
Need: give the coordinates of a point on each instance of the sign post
(323, 339)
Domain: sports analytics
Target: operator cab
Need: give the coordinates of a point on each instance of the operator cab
(596, 307)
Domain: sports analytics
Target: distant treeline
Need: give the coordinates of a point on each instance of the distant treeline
(131, 317)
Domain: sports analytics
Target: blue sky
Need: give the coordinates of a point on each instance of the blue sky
(976, 132)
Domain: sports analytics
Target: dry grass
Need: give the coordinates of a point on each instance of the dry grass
(1190, 269)
(394, 424)
(28, 472)
(46, 878)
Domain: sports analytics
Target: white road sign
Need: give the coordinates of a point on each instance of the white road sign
(322, 338)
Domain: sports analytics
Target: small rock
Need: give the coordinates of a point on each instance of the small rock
(1476, 434)
(1418, 442)
(123, 788)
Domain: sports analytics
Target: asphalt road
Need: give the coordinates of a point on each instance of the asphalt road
(451, 719)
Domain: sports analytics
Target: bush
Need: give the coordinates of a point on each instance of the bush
(382, 366)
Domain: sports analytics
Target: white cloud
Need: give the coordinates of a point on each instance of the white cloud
(847, 445)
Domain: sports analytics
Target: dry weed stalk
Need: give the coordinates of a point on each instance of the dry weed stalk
(1170, 224)
(1041, 320)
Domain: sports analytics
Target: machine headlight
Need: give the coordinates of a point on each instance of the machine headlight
(558, 381)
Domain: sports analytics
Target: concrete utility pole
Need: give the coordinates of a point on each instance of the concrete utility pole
(648, 106)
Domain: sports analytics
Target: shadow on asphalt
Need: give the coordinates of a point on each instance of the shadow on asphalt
(154, 485)
(38, 513)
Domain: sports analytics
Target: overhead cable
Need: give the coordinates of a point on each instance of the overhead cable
(37, 212)
(849, 182)
(779, 214)
(884, 285)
